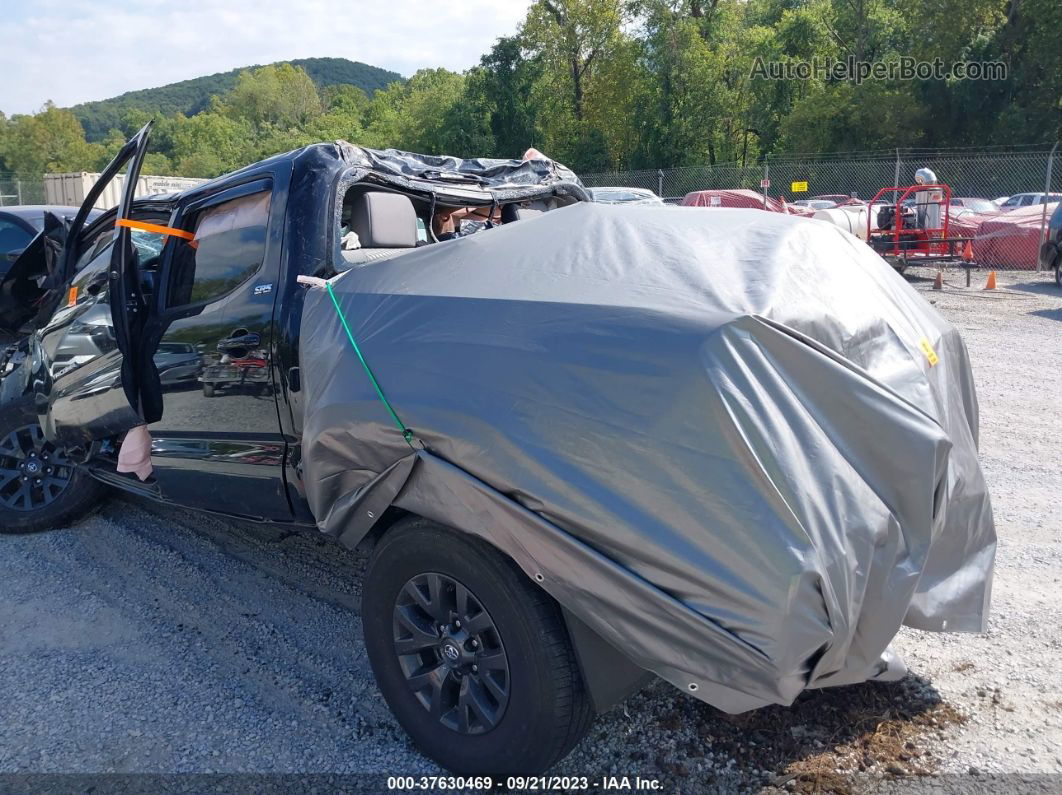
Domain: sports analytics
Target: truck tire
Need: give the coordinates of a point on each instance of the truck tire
(474, 660)
(40, 489)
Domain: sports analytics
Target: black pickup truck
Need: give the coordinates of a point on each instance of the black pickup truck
(730, 448)
(130, 325)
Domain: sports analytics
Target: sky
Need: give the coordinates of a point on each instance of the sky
(72, 51)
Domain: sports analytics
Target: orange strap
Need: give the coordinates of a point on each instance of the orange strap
(159, 229)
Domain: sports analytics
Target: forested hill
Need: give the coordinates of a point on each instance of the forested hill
(191, 96)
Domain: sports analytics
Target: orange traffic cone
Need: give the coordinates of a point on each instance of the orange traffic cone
(967, 251)
(938, 283)
(991, 281)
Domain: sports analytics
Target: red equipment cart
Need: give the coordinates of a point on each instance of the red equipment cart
(900, 239)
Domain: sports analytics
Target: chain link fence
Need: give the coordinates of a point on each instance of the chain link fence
(20, 189)
(1001, 199)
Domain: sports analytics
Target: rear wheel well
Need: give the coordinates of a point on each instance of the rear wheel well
(608, 675)
(390, 517)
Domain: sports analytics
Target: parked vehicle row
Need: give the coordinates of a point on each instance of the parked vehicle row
(1010, 240)
(615, 195)
(1028, 200)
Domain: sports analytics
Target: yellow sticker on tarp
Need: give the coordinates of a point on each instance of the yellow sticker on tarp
(927, 349)
(800, 186)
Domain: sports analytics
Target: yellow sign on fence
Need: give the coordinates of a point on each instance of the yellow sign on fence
(799, 187)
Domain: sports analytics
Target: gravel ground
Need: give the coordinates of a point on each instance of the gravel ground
(152, 640)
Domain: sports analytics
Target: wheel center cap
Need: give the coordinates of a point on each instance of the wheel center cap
(451, 653)
(33, 467)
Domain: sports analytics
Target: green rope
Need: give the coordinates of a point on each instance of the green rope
(406, 433)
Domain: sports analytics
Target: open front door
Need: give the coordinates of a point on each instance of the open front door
(98, 308)
(38, 280)
(128, 307)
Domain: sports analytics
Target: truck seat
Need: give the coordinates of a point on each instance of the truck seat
(386, 225)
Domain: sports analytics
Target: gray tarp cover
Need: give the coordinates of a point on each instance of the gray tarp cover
(735, 443)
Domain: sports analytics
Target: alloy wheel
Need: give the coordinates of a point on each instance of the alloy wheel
(33, 473)
(451, 653)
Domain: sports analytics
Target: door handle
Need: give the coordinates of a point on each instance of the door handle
(242, 341)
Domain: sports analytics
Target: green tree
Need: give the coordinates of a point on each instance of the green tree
(47, 142)
(345, 97)
(607, 84)
(212, 143)
(573, 41)
(684, 94)
(1026, 106)
(1034, 112)
(424, 114)
(873, 115)
(280, 95)
(572, 35)
(613, 108)
(501, 87)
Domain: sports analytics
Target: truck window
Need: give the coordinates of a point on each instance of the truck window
(228, 249)
(148, 247)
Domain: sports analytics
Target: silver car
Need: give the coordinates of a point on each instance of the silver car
(624, 196)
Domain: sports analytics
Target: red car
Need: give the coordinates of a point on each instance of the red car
(743, 198)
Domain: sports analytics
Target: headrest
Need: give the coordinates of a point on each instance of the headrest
(384, 220)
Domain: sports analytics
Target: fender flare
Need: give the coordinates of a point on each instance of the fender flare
(609, 675)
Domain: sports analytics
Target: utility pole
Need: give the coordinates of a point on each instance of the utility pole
(766, 178)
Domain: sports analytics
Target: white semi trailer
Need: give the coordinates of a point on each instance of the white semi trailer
(71, 189)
